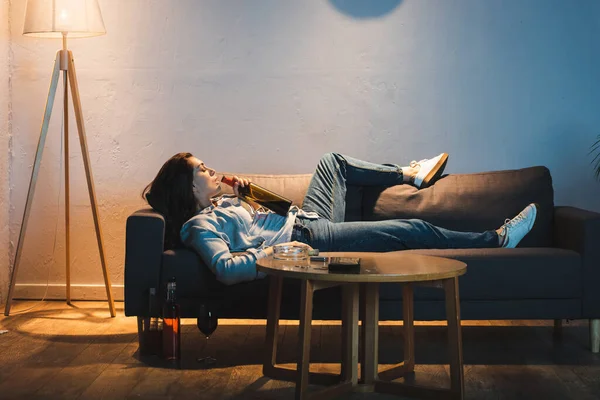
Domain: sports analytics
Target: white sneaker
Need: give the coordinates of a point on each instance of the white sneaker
(515, 229)
(430, 170)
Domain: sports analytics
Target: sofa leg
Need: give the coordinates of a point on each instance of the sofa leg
(557, 332)
(140, 326)
(595, 335)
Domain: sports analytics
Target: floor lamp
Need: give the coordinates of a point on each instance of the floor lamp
(59, 19)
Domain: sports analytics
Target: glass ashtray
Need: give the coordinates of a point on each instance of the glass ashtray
(290, 252)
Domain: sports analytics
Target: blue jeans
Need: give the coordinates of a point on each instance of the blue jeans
(326, 196)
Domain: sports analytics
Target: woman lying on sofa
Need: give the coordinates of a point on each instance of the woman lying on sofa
(186, 192)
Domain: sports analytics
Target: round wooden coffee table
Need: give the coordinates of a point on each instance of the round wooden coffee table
(405, 268)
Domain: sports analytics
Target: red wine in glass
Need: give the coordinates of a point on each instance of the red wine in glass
(207, 323)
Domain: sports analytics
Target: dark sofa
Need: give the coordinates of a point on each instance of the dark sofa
(554, 273)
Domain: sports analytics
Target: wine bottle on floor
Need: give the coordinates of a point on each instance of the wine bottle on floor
(262, 196)
(171, 334)
(152, 329)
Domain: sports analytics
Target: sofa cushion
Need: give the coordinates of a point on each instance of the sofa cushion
(470, 202)
(499, 274)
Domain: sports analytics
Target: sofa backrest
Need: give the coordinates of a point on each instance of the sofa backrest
(463, 202)
(471, 202)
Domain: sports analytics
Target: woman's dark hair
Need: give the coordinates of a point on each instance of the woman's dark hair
(170, 193)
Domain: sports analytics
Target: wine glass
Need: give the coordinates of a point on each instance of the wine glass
(207, 323)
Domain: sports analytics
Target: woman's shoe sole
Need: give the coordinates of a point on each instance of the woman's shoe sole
(435, 172)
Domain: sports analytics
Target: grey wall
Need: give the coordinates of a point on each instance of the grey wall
(267, 86)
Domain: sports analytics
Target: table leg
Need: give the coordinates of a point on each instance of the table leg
(350, 333)
(408, 364)
(371, 334)
(275, 285)
(270, 360)
(457, 385)
(457, 382)
(361, 329)
(409, 327)
(306, 307)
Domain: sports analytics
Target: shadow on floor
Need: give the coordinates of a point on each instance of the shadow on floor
(493, 345)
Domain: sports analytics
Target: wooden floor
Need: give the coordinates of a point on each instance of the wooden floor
(78, 352)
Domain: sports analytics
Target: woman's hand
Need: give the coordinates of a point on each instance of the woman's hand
(269, 250)
(237, 183)
(294, 243)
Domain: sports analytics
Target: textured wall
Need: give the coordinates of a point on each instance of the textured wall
(270, 85)
(4, 147)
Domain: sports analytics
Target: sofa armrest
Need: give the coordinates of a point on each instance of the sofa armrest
(579, 230)
(144, 244)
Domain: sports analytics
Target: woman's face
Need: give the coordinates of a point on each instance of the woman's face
(206, 184)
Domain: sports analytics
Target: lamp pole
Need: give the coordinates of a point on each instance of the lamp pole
(64, 63)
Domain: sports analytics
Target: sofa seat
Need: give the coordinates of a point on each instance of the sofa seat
(550, 273)
(194, 279)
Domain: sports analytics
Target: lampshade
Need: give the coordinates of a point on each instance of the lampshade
(52, 18)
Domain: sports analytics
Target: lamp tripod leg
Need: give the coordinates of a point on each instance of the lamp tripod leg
(67, 202)
(32, 182)
(88, 174)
